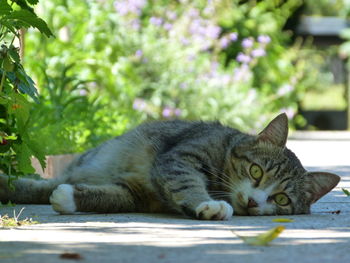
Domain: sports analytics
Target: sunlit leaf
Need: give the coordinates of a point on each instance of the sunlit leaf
(23, 157)
(29, 19)
(282, 220)
(347, 192)
(262, 239)
(33, 2)
(5, 8)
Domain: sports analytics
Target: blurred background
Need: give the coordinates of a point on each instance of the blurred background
(116, 63)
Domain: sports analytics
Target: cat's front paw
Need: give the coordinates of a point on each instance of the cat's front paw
(214, 210)
(62, 199)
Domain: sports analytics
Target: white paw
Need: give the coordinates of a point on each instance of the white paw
(214, 210)
(62, 199)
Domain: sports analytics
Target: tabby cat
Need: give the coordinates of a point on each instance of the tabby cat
(200, 169)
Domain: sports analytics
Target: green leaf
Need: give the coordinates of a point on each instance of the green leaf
(347, 192)
(20, 108)
(37, 151)
(5, 8)
(10, 26)
(23, 82)
(282, 220)
(23, 157)
(24, 5)
(262, 239)
(8, 64)
(29, 19)
(13, 51)
(33, 2)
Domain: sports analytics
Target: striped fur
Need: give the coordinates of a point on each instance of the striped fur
(199, 169)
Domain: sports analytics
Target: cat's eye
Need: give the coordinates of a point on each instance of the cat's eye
(281, 199)
(256, 172)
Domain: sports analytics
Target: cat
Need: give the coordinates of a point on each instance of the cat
(203, 170)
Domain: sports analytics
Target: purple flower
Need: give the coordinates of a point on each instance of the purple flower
(233, 36)
(135, 24)
(195, 26)
(258, 52)
(139, 53)
(171, 15)
(139, 104)
(184, 41)
(193, 12)
(129, 6)
(224, 42)
(209, 10)
(83, 92)
(247, 43)
(264, 39)
(121, 7)
(226, 79)
(157, 21)
(168, 26)
(213, 31)
(167, 112)
(285, 89)
(243, 58)
(241, 73)
(177, 112)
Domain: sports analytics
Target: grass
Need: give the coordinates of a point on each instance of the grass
(10, 222)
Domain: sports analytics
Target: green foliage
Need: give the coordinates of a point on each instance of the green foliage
(223, 59)
(327, 8)
(16, 146)
(70, 118)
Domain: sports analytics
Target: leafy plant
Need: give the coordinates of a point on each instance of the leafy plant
(71, 118)
(223, 60)
(16, 146)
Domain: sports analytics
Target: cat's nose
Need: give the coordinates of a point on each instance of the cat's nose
(252, 203)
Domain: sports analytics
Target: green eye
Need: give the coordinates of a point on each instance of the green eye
(282, 199)
(256, 172)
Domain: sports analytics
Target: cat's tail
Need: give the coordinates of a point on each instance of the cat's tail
(27, 191)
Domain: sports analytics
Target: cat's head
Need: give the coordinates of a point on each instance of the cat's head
(268, 179)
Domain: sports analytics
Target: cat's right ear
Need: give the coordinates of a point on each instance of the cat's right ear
(276, 132)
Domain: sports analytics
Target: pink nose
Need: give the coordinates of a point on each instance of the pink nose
(252, 203)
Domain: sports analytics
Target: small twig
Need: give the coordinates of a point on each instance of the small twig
(16, 217)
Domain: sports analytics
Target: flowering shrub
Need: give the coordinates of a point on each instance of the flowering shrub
(211, 60)
(16, 145)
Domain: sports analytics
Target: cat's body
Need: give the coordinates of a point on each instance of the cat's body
(203, 170)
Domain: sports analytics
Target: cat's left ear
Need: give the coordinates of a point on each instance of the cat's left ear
(276, 132)
(320, 183)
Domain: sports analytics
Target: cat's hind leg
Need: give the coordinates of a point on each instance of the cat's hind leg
(26, 190)
(112, 198)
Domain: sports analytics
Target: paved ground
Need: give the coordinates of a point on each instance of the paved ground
(323, 236)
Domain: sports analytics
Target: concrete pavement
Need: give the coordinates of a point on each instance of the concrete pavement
(323, 236)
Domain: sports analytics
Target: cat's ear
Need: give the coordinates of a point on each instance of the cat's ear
(276, 132)
(320, 183)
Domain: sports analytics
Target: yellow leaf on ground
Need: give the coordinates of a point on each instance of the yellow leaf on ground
(262, 239)
(282, 220)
